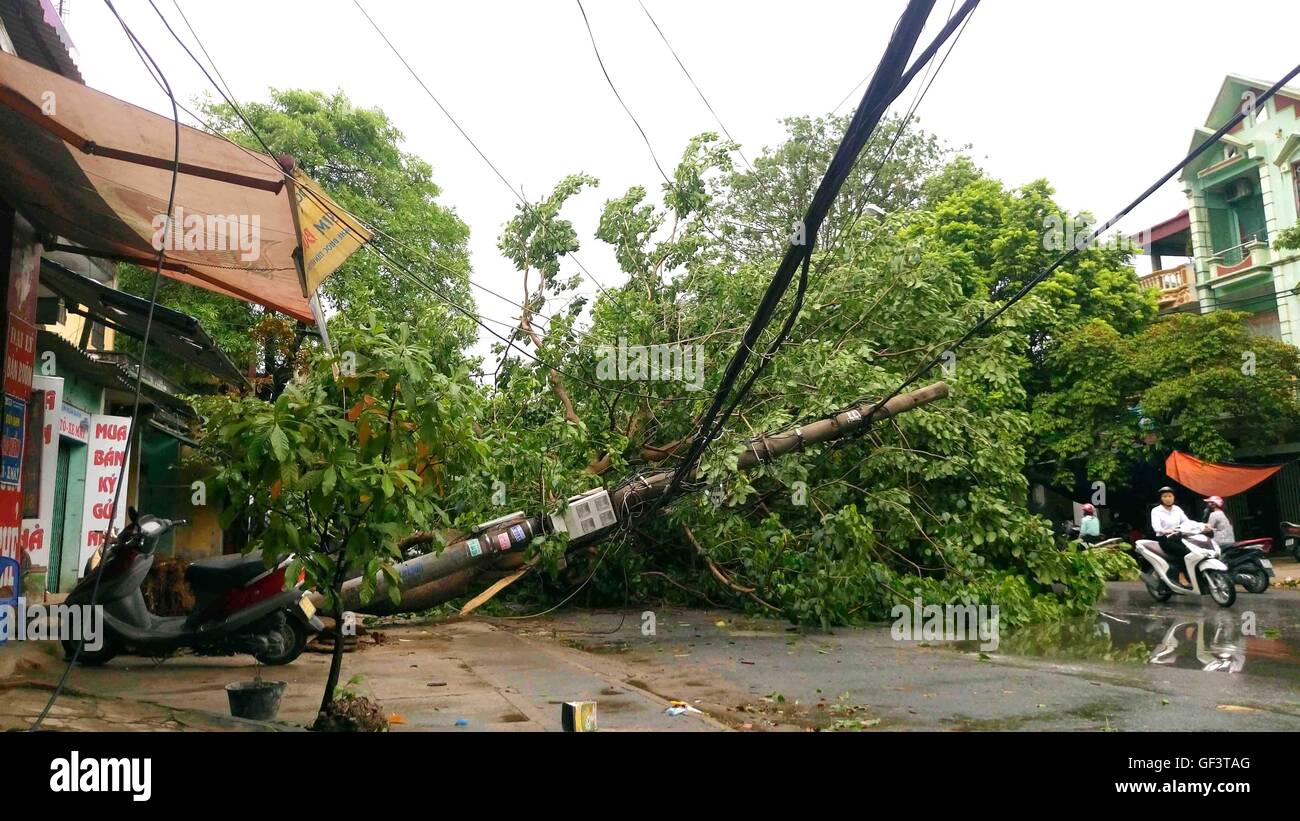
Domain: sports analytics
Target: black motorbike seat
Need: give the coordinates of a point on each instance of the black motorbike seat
(235, 570)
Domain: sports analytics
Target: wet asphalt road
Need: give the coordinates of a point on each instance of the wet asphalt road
(1138, 665)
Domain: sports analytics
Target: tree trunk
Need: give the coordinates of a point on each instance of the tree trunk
(336, 657)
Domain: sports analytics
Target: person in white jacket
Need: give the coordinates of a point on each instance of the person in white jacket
(1167, 520)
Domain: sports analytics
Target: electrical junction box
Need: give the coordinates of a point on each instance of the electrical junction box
(586, 514)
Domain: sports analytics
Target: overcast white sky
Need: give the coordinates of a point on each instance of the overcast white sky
(1098, 97)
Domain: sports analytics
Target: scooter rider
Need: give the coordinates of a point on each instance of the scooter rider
(1166, 520)
(1090, 525)
(1218, 525)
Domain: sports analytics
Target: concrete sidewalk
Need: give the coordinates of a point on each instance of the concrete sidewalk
(458, 676)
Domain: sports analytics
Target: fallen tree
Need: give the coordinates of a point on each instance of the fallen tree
(431, 579)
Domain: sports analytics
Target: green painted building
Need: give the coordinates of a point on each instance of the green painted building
(1240, 194)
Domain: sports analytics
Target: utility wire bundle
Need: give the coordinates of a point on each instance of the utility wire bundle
(889, 80)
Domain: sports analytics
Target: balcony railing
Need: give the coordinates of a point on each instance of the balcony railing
(1176, 285)
(1252, 253)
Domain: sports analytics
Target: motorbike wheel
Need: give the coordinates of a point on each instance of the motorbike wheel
(1220, 588)
(1159, 591)
(92, 658)
(292, 640)
(1254, 580)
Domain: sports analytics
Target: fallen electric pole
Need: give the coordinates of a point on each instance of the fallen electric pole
(434, 578)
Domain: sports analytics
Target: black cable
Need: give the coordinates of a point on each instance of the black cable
(855, 137)
(613, 88)
(927, 81)
(403, 270)
(195, 34)
(527, 207)
(916, 102)
(859, 83)
(1074, 250)
(229, 100)
(695, 85)
(139, 373)
(889, 81)
(668, 182)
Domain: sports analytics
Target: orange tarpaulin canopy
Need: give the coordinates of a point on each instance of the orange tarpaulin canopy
(1215, 478)
(97, 170)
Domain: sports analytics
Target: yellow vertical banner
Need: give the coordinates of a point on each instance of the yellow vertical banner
(329, 234)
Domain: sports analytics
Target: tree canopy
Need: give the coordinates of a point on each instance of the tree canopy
(1201, 383)
(356, 156)
(920, 245)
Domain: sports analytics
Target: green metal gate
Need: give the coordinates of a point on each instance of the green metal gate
(56, 524)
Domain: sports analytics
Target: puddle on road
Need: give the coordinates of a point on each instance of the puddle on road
(1231, 642)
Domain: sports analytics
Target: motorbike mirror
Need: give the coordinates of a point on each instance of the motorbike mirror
(133, 514)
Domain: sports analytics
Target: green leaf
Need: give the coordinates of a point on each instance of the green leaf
(279, 444)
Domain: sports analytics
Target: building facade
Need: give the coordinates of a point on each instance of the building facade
(1241, 193)
(68, 391)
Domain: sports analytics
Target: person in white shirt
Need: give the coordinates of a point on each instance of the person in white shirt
(1166, 521)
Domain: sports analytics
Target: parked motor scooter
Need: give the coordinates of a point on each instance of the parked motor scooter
(1291, 538)
(1206, 572)
(241, 606)
(1247, 565)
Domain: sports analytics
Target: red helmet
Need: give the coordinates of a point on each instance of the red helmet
(1217, 501)
(1089, 509)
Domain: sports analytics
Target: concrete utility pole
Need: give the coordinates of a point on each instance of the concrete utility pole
(431, 579)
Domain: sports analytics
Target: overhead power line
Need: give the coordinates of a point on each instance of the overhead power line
(228, 98)
(428, 91)
(695, 85)
(195, 34)
(605, 71)
(803, 281)
(401, 270)
(889, 80)
(922, 90)
(1096, 232)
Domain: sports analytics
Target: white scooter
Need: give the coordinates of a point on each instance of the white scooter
(1207, 573)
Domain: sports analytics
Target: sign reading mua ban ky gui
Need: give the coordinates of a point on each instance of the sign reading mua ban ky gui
(104, 469)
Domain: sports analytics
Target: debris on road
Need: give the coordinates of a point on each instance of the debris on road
(578, 716)
(350, 713)
(681, 708)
